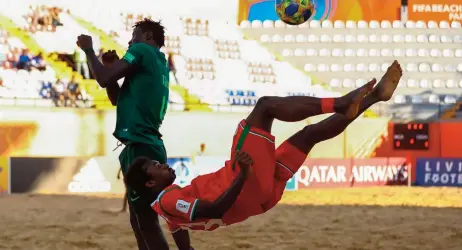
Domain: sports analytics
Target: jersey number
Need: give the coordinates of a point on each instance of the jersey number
(163, 108)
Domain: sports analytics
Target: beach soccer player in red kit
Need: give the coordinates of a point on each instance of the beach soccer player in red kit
(254, 179)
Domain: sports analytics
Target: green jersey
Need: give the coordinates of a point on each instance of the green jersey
(143, 97)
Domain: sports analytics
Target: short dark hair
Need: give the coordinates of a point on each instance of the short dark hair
(136, 175)
(156, 27)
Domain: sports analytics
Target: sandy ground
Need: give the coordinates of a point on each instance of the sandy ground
(374, 218)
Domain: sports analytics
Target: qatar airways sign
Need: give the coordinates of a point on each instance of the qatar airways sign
(350, 172)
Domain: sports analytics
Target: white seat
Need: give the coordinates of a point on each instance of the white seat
(374, 24)
(338, 52)
(349, 67)
(450, 99)
(385, 67)
(425, 83)
(458, 53)
(361, 67)
(386, 52)
(451, 83)
(374, 38)
(448, 53)
(326, 24)
(423, 53)
(268, 24)
(362, 24)
(326, 39)
(450, 68)
(374, 67)
(348, 83)
(433, 39)
(279, 24)
(315, 24)
(408, 38)
(300, 38)
(420, 24)
(289, 38)
(350, 53)
(339, 24)
(276, 39)
(438, 83)
(245, 24)
(411, 52)
(350, 38)
(446, 39)
(299, 52)
(457, 39)
(397, 24)
(324, 52)
(256, 24)
(335, 83)
(304, 25)
(374, 52)
(287, 52)
(412, 83)
(265, 38)
(432, 25)
(409, 24)
(385, 38)
(312, 38)
(444, 25)
(323, 67)
(385, 24)
(399, 53)
(421, 38)
(336, 67)
(338, 38)
(360, 82)
(437, 67)
(350, 24)
(309, 68)
(435, 53)
(398, 38)
(361, 53)
(455, 25)
(412, 67)
(460, 84)
(434, 99)
(312, 52)
(362, 38)
(424, 67)
(459, 67)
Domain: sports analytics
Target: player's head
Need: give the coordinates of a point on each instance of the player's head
(148, 31)
(145, 175)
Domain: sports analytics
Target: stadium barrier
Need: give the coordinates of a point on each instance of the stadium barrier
(439, 172)
(99, 174)
(4, 175)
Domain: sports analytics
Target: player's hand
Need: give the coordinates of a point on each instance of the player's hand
(245, 162)
(84, 42)
(109, 57)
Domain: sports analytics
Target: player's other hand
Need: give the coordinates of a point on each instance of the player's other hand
(109, 57)
(245, 162)
(84, 42)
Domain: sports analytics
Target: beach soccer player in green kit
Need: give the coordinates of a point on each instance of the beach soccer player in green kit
(141, 106)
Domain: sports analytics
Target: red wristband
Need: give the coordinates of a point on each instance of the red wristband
(327, 105)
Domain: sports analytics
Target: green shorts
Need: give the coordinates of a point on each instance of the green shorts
(134, 150)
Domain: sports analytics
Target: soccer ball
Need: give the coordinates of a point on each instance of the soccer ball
(294, 12)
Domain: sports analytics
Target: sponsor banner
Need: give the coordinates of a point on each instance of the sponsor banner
(435, 10)
(439, 172)
(320, 173)
(4, 175)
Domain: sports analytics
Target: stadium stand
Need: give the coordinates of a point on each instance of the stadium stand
(338, 52)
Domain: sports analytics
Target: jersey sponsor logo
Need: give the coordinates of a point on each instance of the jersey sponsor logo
(133, 196)
(90, 179)
(183, 206)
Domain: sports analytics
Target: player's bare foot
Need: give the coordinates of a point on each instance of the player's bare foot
(348, 104)
(387, 85)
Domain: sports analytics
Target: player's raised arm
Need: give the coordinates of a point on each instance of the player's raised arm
(216, 209)
(103, 75)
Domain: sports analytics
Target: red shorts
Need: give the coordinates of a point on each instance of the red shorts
(270, 172)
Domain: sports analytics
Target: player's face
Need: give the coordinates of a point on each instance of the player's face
(138, 36)
(160, 175)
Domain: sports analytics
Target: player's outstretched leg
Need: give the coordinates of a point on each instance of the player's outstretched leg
(298, 108)
(291, 154)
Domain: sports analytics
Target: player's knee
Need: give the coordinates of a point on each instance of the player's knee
(264, 103)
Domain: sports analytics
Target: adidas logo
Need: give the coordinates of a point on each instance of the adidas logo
(89, 179)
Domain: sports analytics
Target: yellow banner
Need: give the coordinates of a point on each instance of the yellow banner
(4, 175)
